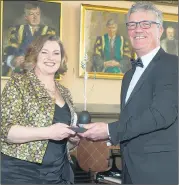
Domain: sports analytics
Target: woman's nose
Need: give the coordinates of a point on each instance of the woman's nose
(50, 57)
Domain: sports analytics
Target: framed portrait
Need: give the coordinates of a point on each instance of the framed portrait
(103, 39)
(168, 3)
(169, 39)
(108, 61)
(21, 22)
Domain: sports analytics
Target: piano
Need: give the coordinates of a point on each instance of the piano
(113, 175)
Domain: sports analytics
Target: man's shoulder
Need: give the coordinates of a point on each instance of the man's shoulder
(47, 26)
(176, 41)
(127, 73)
(100, 36)
(168, 61)
(119, 36)
(163, 40)
(15, 27)
(48, 29)
(170, 58)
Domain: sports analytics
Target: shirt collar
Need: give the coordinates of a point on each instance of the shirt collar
(146, 59)
(31, 29)
(112, 37)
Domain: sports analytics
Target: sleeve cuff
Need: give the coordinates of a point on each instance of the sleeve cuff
(109, 141)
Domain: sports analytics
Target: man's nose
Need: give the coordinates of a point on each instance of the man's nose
(138, 28)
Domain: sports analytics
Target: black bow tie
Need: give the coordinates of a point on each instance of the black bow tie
(137, 62)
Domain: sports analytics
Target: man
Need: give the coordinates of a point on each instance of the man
(20, 36)
(147, 129)
(109, 50)
(170, 44)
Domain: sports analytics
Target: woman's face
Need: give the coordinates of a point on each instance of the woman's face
(49, 58)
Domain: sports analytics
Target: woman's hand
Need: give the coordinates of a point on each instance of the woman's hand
(75, 139)
(59, 131)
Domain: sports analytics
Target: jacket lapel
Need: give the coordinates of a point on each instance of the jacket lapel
(144, 76)
(126, 86)
(39, 88)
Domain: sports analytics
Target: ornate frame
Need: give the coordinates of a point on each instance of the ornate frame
(87, 24)
(94, 11)
(170, 3)
(47, 16)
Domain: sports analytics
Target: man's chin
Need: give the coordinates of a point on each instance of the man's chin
(34, 24)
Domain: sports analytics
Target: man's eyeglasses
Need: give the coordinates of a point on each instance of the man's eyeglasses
(143, 24)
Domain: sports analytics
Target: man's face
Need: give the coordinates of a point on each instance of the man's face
(33, 17)
(112, 29)
(144, 40)
(170, 32)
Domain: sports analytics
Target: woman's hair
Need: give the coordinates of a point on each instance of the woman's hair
(34, 49)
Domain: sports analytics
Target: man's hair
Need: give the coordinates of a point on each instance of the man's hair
(29, 6)
(170, 27)
(35, 48)
(146, 6)
(111, 22)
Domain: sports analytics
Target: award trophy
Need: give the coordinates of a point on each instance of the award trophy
(84, 116)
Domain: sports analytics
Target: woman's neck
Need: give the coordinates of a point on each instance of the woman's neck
(47, 80)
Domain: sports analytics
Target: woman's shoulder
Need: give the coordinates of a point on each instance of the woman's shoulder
(62, 88)
(64, 91)
(17, 78)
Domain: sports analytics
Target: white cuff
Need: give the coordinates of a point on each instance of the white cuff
(108, 142)
(9, 60)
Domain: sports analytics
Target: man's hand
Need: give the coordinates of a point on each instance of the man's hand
(18, 61)
(96, 131)
(74, 139)
(111, 63)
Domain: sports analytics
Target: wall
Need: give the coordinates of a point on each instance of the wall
(105, 92)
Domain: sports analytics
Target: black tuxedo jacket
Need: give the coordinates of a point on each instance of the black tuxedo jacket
(147, 129)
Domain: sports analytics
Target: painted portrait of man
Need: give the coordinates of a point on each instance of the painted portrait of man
(110, 49)
(170, 42)
(105, 42)
(31, 21)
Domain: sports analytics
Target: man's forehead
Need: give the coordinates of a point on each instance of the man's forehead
(143, 14)
(35, 9)
(170, 29)
(112, 25)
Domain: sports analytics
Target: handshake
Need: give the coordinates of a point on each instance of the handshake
(92, 131)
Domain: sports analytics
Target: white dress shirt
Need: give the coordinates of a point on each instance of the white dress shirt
(111, 41)
(146, 59)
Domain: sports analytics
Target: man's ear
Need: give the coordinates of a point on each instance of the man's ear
(25, 17)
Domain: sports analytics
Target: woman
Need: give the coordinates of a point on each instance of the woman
(36, 116)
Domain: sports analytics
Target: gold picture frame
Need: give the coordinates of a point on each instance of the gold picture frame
(169, 39)
(93, 26)
(93, 23)
(12, 17)
(167, 3)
